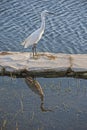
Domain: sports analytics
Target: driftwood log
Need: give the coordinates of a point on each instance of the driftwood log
(22, 64)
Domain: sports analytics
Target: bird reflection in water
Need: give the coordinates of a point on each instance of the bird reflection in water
(36, 88)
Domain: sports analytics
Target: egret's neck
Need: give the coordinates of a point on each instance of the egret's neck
(43, 23)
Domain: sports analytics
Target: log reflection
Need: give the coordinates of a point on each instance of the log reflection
(37, 89)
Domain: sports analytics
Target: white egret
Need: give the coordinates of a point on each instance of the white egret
(36, 36)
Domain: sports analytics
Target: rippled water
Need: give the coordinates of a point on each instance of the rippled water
(66, 31)
(64, 106)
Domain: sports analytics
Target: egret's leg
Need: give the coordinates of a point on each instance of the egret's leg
(33, 50)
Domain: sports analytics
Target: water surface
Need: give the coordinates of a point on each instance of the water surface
(65, 32)
(64, 106)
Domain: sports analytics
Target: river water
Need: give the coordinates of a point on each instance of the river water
(64, 106)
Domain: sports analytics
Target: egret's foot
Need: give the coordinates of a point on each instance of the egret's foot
(35, 53)
(35, 56)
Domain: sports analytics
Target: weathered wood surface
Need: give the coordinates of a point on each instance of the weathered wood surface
(22, 64)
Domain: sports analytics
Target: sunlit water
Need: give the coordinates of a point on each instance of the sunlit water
(65, 105)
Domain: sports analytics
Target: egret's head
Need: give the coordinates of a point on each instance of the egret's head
(45, 12)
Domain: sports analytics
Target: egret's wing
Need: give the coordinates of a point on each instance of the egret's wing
(23, 43)
(27, 42)
(33, 38)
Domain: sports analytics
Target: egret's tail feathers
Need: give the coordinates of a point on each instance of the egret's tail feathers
(23, 43)
(27, 43)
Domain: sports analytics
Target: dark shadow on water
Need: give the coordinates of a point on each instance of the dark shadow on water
(34, 85)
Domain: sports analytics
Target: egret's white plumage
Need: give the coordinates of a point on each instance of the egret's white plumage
(33, 38)
(36, 36)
